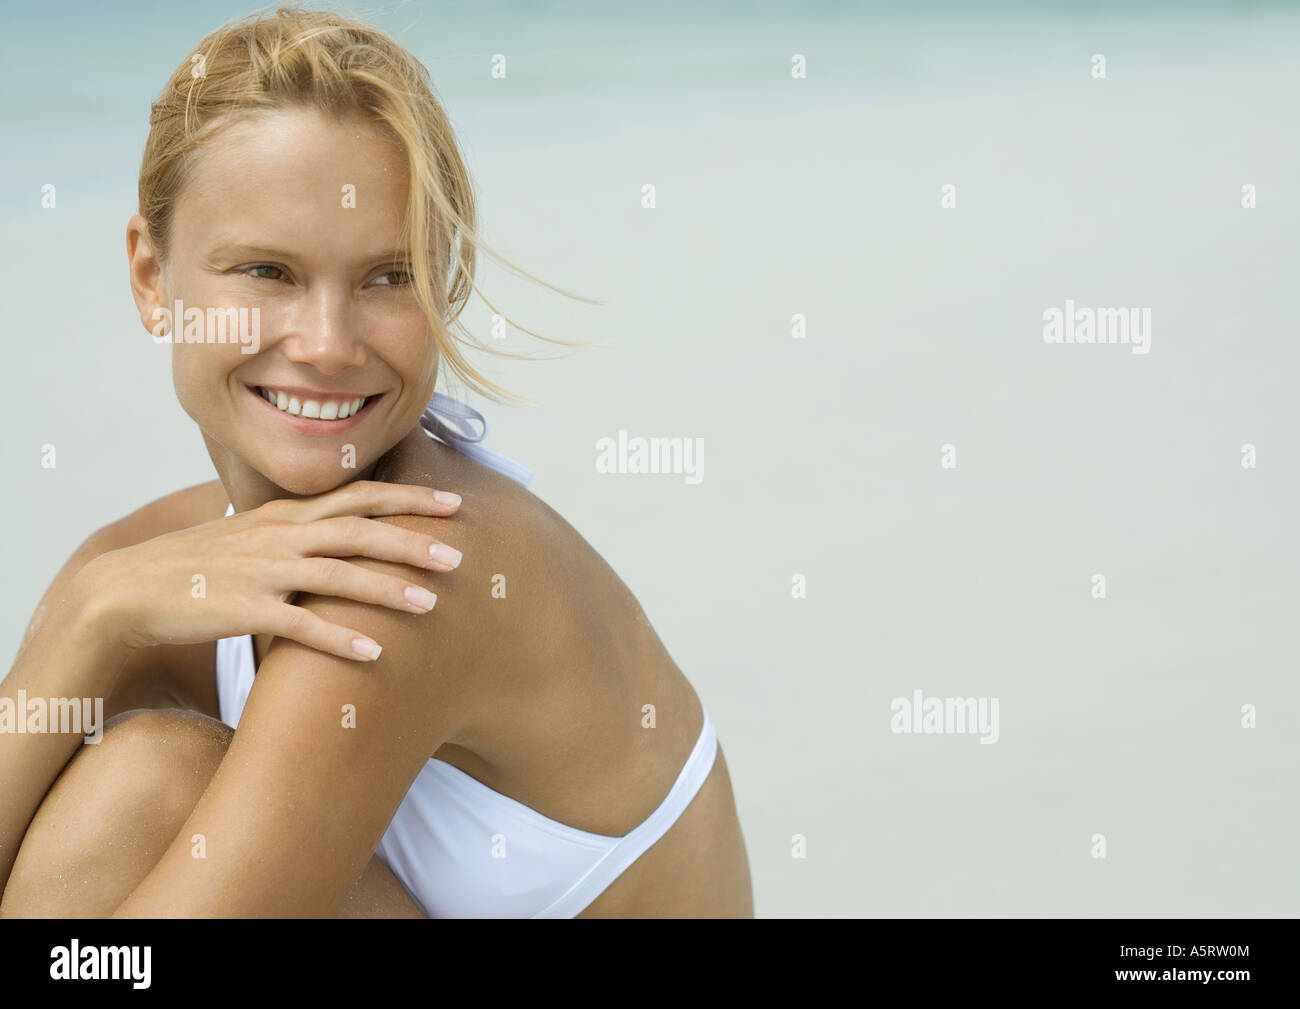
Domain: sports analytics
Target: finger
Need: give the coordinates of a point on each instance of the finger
(307, 628)
(373, 497)
(328, 576)
(354, 536)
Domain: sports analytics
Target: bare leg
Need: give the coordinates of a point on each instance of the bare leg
(118, 805)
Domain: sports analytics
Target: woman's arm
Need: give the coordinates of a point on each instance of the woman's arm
(115, 600)
(66, 652)
(325, 752)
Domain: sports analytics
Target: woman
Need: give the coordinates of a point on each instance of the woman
(527, 748)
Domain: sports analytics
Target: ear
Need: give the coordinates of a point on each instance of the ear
(148, 281)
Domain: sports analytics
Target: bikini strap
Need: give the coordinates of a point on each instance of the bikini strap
(451, 421)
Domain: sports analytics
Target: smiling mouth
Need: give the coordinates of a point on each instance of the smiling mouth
(320, 407)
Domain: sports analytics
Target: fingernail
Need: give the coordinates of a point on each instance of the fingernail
(422, 598)
(366, 648)
(444, 554)
(446, 497)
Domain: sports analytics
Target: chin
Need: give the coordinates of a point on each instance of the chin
(306, 481)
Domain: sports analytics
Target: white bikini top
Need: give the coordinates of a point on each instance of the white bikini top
(463, 850)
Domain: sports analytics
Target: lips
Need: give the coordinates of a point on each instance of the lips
(312, 411)
(323, 406)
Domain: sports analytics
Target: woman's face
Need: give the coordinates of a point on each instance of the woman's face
(296, 218)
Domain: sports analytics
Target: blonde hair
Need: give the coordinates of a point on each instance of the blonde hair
(322, 60)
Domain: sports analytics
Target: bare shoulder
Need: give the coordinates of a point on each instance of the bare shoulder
(179, 510)
(500, 525)
(528, 584)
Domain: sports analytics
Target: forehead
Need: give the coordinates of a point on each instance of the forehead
(296, 177)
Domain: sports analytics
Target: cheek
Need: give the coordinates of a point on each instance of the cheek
(405, 341)
(201, 373)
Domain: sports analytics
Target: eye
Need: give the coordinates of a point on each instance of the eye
(404, 278)
(252, 271)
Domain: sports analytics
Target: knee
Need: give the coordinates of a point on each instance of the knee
(185, 740)
(148, 759)
(118, 803)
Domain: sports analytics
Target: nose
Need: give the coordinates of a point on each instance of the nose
(323, 332)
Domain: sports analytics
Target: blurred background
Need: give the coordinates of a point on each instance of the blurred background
(820, 197)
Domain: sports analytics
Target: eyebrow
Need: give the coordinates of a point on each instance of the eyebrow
(239, 250)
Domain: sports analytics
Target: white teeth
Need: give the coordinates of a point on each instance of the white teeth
(329, 410)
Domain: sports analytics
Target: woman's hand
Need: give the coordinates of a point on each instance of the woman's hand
(235, 575)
